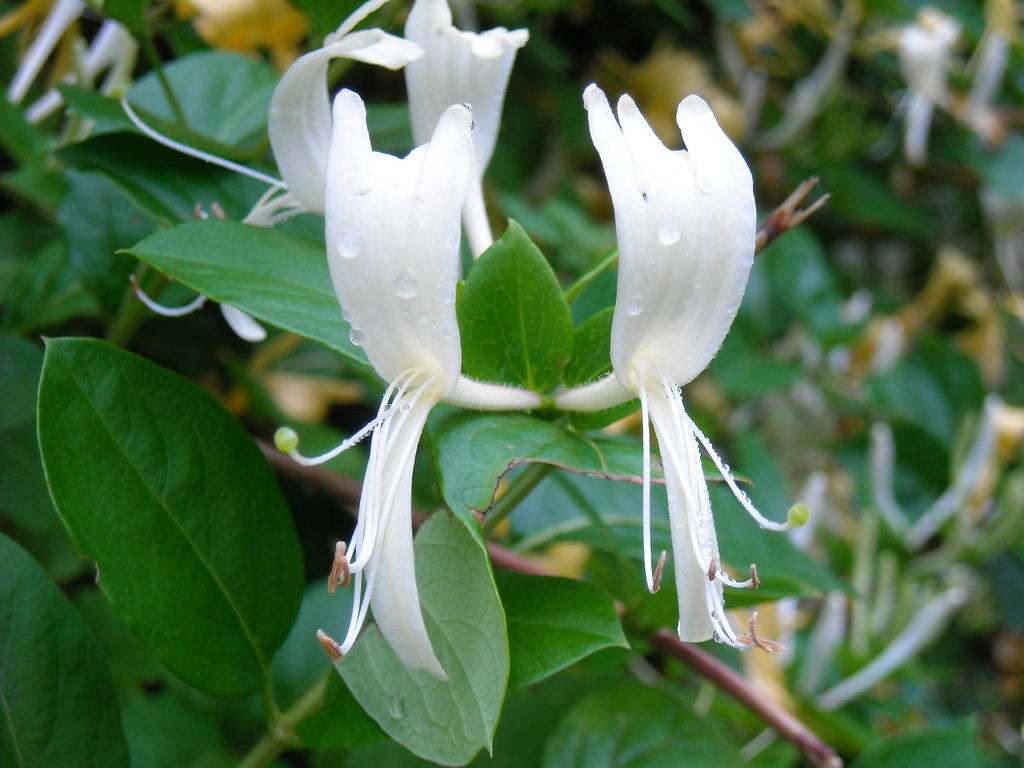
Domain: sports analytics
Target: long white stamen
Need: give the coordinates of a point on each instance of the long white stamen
(881, 459)
(62, 16)
(344, 445)
(193, 306)
(742, 497)
(646, 427)
(197, 153)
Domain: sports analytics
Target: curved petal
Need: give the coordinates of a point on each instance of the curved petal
(300, 115)
(458, 68)
(242, 324)
(393, 241)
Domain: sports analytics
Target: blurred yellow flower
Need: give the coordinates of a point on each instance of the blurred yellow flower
(245, 25)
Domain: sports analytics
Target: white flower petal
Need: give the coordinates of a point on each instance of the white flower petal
(300, 115)
(458, 68)
(393, 241)
(242, 324)
(62, 15)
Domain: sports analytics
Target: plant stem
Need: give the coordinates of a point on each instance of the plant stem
(280, 735)
(517, 490)
(158, 69)
(573, 291)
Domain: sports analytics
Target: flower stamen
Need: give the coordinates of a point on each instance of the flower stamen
(193, 306)
(658, 571)
(340, 574)
(751, 638)
(330, 645)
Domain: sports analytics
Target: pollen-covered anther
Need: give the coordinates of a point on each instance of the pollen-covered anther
(752, 639)
(331, 646)
(340, 574)
(754, 581)
(658, 571)
(217, 211)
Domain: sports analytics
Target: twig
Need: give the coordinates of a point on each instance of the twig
(813, 748)
(786, 216)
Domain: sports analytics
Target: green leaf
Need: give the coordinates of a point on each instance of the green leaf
(22, 141)
(954, 743)
(591, 360)
(444, 721)
(59, 706)
(224, 96)
(634, 725)
(46, 292)
(162, 487)
(131, 13)
(515, 324)
(164, 184)
(472, 451)
(39, 185)
(97, 220)
(274, 276)
(553, 622)
(19, 375)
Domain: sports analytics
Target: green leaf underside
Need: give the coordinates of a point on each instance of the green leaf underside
(161, 486)
(631, 725)
(553, 622)
(515, 324)
(57, 701)
(443, 721)
(276, 277)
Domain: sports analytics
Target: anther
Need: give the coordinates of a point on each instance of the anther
(199, 212)
(217, 211)
(756, 582)
(713, 569)
(765, 645)
(658, 571)
(330, 645)
(339, 570)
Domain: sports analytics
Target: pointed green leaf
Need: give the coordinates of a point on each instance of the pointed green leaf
(553, 622)
(58, 702)
(162, 487)
(515, 323)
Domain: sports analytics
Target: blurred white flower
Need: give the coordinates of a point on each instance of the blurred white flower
(686, 222)
(925, 47)
(460, 67)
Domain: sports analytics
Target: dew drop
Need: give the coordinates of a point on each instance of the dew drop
(348, 244)
(406, 286)
(448, 331)
(449, 296)
(423, 316)
(357, 337)
(669, 230)
(635, 306)
(346, 315)
(397, 708)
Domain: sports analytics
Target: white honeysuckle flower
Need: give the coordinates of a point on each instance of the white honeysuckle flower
(924, 51)
(113, 49)
(460, 67)
(300, 112)
(686, 223)
(62, 15)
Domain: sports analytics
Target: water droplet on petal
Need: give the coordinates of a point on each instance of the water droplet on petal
(357, 337)
(347, 244)
(423, 316)
(406, 286)
(346, 315)
(449, 296)
(451, 240)
(669, 230)
(635, 306)
(448, 331)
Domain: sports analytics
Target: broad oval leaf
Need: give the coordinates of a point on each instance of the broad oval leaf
(162, 487)
(276, 277)
(553, 622)
(514, 321)
(59, 705)
(443, 721)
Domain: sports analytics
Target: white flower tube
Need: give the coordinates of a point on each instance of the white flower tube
(393, 249)
(62, 15)
(925, 47)
(300, 113)
(686, 222)
(460, 67)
